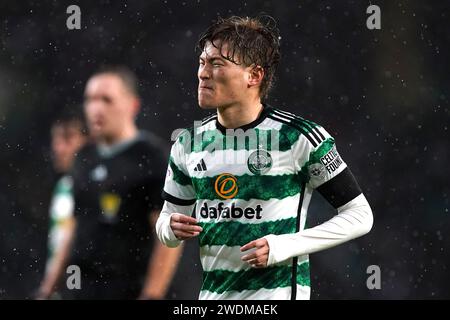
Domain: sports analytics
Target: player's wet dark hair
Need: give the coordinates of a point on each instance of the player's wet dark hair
(251, 41)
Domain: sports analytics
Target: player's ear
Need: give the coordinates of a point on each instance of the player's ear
(256, 74)
(136, 106)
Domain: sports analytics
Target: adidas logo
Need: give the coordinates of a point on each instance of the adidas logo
(201, 166)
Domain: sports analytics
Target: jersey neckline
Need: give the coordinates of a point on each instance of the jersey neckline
(264, 113)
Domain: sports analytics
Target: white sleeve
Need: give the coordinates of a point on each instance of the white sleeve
(353, 220)
(163, 229)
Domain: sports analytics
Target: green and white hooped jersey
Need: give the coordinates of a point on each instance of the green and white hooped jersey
(61, 208)
(248, 183)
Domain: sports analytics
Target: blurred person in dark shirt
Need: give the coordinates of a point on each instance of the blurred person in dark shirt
(116, 189)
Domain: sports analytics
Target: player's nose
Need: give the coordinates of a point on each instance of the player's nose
(203, 73)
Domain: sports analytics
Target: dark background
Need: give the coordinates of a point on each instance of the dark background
(383, 94)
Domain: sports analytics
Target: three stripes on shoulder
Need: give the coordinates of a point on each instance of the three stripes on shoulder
(313, 132)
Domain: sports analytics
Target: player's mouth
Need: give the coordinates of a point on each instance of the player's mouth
(204, 87)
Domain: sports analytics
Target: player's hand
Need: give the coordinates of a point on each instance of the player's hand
(145, 296)
(42, 293)
(257, 258)
(184, 227)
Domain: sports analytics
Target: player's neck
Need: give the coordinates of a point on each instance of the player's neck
(239, 115)
(128, 133)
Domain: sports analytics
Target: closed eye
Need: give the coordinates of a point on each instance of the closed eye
(217, 62)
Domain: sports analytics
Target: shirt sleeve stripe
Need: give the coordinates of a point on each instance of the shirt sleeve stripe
(181, 202)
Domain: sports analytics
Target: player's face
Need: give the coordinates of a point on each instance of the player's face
(66, 141)
(221, 82)
(109, 106)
